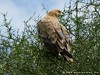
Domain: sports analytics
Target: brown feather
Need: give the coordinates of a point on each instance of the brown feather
(55, 35)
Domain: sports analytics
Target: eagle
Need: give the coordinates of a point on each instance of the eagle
(54, 35)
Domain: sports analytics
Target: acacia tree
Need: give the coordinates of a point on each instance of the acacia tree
(25, 55)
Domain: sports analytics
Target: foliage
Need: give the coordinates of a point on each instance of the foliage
(25, 55)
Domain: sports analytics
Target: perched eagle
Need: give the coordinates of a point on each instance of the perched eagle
(54, 35)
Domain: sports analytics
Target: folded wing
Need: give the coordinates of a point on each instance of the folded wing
(55, 36)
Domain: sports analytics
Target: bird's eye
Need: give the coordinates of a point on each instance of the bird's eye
(59, 11)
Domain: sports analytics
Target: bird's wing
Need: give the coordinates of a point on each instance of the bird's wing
(57, 34)
(65, 31)
(63, 37)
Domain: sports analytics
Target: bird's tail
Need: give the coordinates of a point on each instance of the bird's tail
(67, 56)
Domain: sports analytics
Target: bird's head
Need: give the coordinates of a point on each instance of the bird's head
(54, 13)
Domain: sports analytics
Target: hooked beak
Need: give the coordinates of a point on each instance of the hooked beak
(61, 14)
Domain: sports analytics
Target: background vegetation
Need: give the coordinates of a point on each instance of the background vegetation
(25, 55)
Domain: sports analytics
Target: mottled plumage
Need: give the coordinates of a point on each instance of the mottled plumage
(54, 34)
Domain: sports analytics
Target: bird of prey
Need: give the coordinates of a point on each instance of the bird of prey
(54, 35)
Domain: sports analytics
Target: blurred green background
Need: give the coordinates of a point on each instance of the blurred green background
(24, 54)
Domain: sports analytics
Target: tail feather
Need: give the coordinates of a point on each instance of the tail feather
(67, 56)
